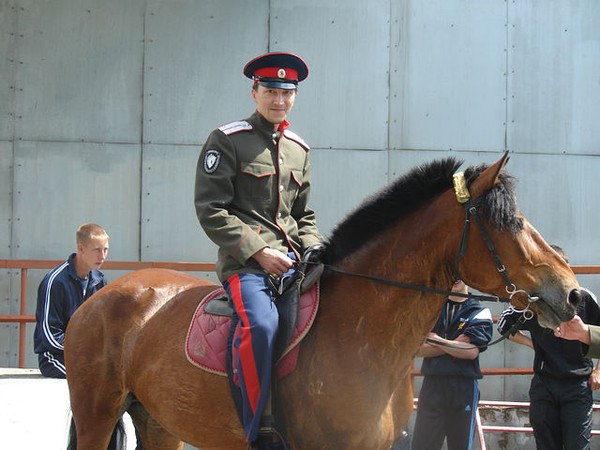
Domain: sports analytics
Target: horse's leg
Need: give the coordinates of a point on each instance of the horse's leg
(153, 436)
(97, 403)
(95, 437)
(403, 406)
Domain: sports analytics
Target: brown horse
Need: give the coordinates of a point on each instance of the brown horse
(351, 389)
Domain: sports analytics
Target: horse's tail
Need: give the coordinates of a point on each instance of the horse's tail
(118, 440)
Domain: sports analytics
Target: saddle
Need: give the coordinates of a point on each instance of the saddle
(208, 339)
(289, 291)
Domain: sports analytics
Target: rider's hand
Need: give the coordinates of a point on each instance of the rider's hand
(273, 262)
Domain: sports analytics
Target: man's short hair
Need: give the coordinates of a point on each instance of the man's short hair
(89, 231)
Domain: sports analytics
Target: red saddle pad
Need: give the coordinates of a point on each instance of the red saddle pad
(206, 340)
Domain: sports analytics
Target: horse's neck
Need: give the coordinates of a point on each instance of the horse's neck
(390, 319)
(418, 250)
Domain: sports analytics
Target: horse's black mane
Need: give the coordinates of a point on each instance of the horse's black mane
(409, 192)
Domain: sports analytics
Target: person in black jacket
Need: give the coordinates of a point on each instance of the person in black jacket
(560, 393)
(448, 399)
(62, 291)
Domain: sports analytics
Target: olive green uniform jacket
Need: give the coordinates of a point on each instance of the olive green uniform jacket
(594, 348)
(252, 191)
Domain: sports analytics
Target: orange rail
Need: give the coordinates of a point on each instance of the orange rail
(24, 264)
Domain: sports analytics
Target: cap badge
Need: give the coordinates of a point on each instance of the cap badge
(281, 73)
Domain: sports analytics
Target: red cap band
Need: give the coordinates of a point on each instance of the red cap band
(277, 72)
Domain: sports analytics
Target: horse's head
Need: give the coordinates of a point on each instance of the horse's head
(540, 276)
(414, 224)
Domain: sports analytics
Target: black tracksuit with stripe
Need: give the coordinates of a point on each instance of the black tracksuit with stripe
(560, 398)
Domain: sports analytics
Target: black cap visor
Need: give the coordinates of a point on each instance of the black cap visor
(277, 83)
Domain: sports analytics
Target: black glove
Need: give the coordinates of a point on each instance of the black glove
(314, 253)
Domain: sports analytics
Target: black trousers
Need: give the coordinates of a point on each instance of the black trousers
(561, 413)
(447, 410)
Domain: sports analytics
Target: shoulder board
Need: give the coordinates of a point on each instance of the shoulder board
(294, 137)
(235, 127)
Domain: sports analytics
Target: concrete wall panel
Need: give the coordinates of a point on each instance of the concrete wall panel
(553, 87)
(555, 193)
(7, 299)
(335, 191)
(447, 76)
(8, 30)
(79, 71)
(402, 161)
(170, 228)
(59, 186)
(194, 55)
(343, 103)
(6, 184)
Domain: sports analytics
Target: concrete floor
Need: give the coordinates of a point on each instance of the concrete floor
(35, 412)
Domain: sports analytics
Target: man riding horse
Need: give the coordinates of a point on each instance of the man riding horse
(251, 197)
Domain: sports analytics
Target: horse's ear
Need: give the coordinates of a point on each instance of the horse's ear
(489, 178)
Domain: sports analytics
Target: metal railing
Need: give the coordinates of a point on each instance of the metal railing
(484, 404)
(481, 429)
(25, 264)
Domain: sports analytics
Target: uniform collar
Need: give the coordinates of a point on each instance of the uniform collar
(263, 124)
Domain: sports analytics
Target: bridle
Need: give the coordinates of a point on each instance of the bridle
(471, 205)
(463, 197)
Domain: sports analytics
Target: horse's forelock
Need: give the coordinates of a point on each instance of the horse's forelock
(499, 204)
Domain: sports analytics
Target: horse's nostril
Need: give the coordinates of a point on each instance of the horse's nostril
(575, 297)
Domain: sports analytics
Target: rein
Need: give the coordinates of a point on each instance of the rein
(417, 287)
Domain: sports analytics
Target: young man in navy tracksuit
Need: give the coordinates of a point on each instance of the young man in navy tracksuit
(448, 399)
(62, 291)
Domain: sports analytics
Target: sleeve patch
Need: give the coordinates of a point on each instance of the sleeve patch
(235, 127)
(212, 158)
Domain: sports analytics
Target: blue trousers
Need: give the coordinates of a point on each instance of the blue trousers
(253, 303)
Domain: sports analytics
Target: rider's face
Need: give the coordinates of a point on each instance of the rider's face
(272, 103)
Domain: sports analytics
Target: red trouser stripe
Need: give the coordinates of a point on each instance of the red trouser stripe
(250, 373)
